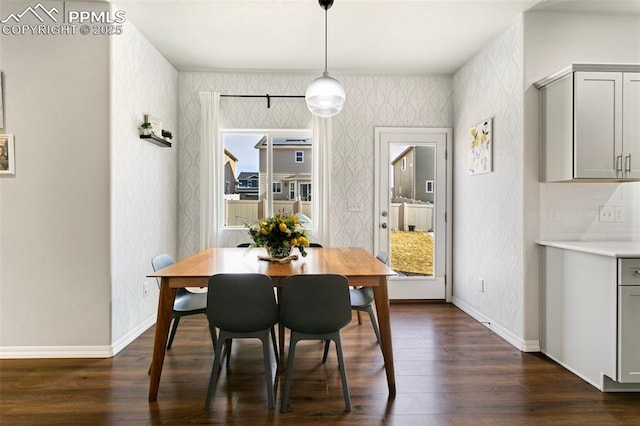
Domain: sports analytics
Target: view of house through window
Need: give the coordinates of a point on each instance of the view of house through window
(267, 173)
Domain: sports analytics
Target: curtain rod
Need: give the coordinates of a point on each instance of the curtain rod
(268, 96)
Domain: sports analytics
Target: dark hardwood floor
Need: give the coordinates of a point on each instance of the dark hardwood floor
(450, 370)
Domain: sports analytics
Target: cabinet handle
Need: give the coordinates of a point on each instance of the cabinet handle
(619, 165)
(627, 164)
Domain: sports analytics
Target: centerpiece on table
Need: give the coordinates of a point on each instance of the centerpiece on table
(279, 234)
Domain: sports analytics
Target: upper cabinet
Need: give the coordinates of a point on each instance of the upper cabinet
(591, 123)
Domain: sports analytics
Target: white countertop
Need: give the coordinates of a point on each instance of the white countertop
(604, 248)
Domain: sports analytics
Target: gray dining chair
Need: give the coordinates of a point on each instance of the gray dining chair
(241, 306)
(363, 300)
(315, 307)
(186, 303)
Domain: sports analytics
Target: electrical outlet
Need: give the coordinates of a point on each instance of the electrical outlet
(481, 285)
(354, 206)
(146, 288)
(607, 214)
(619, 214)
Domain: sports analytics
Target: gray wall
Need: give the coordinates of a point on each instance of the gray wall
(55, 276)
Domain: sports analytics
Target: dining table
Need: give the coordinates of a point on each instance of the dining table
(357, 264)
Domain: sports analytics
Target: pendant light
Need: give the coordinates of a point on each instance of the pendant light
(325, 95)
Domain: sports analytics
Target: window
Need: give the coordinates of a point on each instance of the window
(429, 187)
(271, 167)
(404, 163)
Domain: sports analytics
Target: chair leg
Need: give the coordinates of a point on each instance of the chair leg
(267, 369)
(275, 345)
(215, 370)
(176, 321)
(359, 314)
(287, 382)
(374, 323)
(326, 351)
(228, 344)
(343, 374)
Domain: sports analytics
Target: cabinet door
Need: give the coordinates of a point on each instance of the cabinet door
(631, 125)
(628, 334)
(598, 125)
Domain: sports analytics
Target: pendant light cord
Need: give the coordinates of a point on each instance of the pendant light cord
(326, 11)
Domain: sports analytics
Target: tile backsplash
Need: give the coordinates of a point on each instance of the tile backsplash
(571, 211)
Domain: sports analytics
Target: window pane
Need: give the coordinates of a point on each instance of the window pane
(292, 166)
(241, 171)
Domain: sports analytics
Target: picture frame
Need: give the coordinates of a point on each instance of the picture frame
(481, 147)
(1, 101)
(7, 155)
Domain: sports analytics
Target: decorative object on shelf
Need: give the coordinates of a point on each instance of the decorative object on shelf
(145, 129)
(480, 147)
(7, 155)
(167, 135)
(156, 124)
(279, 234)
(325, 95)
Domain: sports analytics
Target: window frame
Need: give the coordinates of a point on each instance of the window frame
(301, 156)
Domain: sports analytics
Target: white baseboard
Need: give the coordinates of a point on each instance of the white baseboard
(24, 352)
(522, 345)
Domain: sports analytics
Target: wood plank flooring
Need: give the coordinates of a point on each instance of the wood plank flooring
(450, 370)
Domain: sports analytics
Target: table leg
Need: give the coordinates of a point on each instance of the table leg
(382, 308)
(165, 313)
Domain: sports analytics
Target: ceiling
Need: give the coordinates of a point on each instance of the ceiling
(365, 36)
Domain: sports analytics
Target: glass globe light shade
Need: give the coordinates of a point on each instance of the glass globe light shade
(325, 96)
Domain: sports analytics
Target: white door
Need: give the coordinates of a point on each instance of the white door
(413, 185)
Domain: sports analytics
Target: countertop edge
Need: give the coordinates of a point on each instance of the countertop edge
(603, 248)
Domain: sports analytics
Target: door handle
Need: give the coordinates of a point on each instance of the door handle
(627, 164)
(383, 225)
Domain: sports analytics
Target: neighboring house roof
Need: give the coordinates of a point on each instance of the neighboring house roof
(285, 142)
(247, 175)
(230, 155)
(298, 176)
(402, 154)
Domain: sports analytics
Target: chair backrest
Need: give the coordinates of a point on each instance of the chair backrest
(161, 261)
(383, 257)
(244, 245)
(315, 245)
(315, 303)
(241, 302)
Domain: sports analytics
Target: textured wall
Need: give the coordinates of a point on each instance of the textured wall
(488, 208)
(371, 101)
(143, 176)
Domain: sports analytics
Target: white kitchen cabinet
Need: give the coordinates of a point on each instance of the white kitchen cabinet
(590, 116)
(629, 321)
(589, 321)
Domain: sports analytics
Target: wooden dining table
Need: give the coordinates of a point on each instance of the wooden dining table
(359, 266)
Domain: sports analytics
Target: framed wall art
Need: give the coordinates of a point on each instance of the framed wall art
(7, 155)
(481, 147)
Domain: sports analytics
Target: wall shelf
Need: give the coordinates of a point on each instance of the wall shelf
(156, 140)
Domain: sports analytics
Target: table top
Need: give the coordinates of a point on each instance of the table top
(350, 262)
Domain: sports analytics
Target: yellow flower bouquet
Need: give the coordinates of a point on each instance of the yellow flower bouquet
(279, 234)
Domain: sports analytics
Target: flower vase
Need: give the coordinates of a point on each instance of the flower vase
(278, 251)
